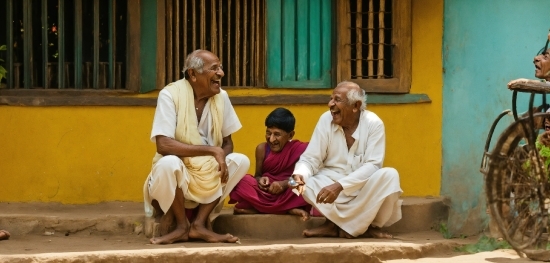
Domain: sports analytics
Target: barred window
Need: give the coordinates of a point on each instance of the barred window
(231, 29)
(374, 43)
(57, 44)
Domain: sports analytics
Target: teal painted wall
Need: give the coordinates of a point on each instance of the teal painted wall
(486, 43)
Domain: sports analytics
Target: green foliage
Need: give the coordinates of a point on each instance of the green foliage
(445, 231)
(544, 152)
(483, 244)
(3, 71)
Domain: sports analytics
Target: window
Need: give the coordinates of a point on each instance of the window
(58, 44)
(299, 44)
(374, 44)
(232, 29)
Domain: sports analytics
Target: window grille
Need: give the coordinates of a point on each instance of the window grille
(370, 39)
(59, 44)
(231, 29)
(374, 43)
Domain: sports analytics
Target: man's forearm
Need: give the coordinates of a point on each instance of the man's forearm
(169, 146)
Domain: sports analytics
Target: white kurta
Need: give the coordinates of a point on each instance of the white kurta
(170, 173)
(371, 193)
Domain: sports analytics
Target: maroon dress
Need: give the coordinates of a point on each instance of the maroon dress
(277, 167)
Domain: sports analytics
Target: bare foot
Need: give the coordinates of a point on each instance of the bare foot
(376, 232)
(243, 211)
(167, 223)
(299, 212)
(327, 229)
(200, 232)
(180, 234)
(344, 234)
(209, 225)
(4, 235)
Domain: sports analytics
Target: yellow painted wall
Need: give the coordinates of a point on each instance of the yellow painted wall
(95, 154)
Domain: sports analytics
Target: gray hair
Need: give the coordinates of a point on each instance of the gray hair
(355, 95)
(193, 61)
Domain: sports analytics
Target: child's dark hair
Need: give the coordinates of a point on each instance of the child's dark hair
(280, 118)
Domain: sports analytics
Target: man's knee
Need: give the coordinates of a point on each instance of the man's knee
(239, 159)
(167, 164)
(389, 173)
(238, 164)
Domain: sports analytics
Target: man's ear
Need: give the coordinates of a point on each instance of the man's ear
(357, 106)
(192, 74)
(291, 134)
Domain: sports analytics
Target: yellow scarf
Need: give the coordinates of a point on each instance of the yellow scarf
(203, 170)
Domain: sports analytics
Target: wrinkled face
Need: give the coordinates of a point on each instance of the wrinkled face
(542, 65)
(342, 113)
(212, 73)
(277, 138)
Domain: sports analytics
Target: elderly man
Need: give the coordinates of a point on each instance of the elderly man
(542, 67)
(341, 173)
(194, 164)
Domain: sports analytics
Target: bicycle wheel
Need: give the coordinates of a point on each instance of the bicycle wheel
(517, 185)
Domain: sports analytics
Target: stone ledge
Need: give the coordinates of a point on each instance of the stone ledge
(335, 250)
(419, 214)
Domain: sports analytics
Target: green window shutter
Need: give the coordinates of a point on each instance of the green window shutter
(298, 43)
(148, 54)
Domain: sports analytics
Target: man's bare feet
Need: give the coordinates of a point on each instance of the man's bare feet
(376, 232)
(200, 232)
(167, 223)
(299, 212)
(327, 229)
(344, 234)
(244, 211)
(180, 234)
(4, 235)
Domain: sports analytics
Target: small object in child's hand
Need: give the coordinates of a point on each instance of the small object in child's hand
(292, 182)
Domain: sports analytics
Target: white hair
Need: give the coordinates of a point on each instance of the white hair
(355, 95)
(193, 61)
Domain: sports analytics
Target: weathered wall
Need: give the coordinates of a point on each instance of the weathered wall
(486, 44)
(94, 154)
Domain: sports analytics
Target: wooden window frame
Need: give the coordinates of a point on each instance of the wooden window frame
(401, 41)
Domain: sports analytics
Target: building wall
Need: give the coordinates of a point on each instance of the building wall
(95, 154)
(486, 44)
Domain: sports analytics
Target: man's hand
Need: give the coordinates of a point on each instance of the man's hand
(219, 155)
(328, 194)
(263, 183)
(299, 180)
(278, 187)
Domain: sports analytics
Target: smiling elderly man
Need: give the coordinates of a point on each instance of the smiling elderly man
(341, 173)
(194, 164)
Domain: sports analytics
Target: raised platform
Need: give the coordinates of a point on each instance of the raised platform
(419, 214)
(115, 231)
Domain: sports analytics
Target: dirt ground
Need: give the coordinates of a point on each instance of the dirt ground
(389, 250)
(497, 256)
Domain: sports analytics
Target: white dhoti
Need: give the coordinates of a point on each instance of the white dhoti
(169, 173)
(375, 203)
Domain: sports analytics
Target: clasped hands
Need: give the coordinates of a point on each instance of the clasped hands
(327, 195)
(275, 188)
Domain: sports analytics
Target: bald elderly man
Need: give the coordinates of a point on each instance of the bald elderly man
(340, 173)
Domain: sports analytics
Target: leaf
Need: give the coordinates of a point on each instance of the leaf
(3, 72)
(3, 47)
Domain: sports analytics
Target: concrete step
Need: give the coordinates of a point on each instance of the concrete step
(419, 214)
(123, 218)
(132, 248)
(59, 219)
